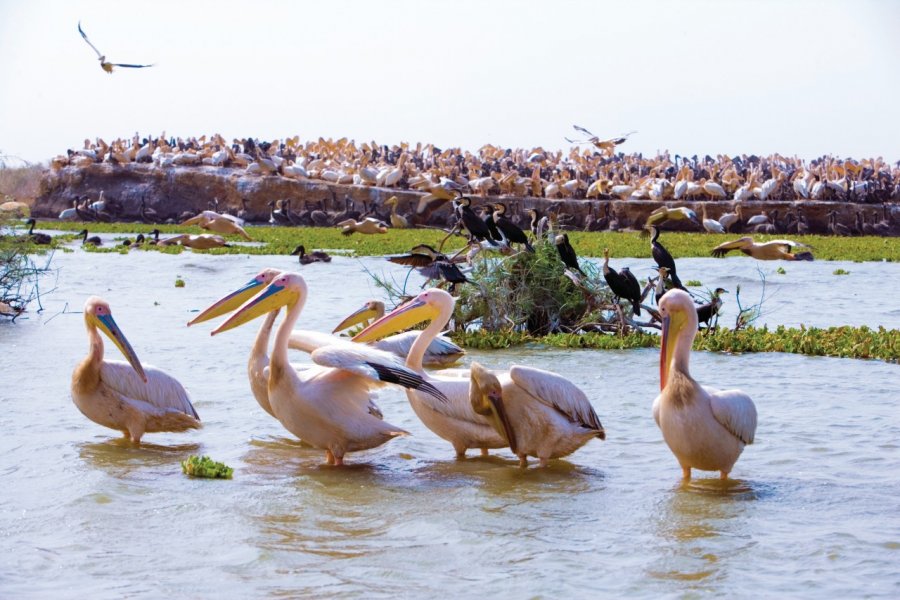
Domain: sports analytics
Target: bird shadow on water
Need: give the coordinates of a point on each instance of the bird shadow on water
(731, 489)
(119, 456)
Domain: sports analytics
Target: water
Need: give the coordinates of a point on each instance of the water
(812, 510)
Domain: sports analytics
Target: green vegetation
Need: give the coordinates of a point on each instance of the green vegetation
(693, 283)
(19, 274)
(845, 341)
(840, 272)
(179, 282)
(780, 271)
(281, 240)
(206, 467)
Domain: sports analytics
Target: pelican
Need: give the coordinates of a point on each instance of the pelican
(727, 220)
(539, 413)
(314, 256)
(367, 225)
(442, 352)
(106, 66)
(607, 146)
(664, 213)
(225, 226)
(398, 221)
(329, 405)
(127, 397)
(204, 241)
(711, 225)
(706, 429)
(774, 250)
(456, 420)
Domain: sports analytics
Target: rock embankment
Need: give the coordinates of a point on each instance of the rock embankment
(169, 193)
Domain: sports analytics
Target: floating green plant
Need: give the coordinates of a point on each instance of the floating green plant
(204, 466)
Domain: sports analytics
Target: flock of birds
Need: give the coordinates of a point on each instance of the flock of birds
(330, 405)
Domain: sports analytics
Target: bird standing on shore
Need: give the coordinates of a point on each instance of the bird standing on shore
(104, 64)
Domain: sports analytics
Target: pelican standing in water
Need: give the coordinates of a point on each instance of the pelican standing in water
(127, 397)
(538, 412)
(456, 420)
(442, 352)
(706, 429)
(329, 406)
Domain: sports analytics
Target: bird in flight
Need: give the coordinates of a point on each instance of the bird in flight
(106, 66)
(607, 146)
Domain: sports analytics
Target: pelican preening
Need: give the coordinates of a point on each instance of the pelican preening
(537, 412)
(441, 352)
(706, 429)
(104, 64)
(773, 250)
(329, 406)
(456, 419)
(127, 397)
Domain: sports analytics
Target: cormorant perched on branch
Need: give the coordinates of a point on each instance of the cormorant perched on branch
(567, 253)
(510, 230)
(624, 284)
(478, 229)
(663, 258)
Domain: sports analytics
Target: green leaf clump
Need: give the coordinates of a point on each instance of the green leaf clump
(206, 467)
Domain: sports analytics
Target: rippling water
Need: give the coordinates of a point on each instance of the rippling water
(812, 511)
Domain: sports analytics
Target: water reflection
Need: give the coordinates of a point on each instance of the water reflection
(120, 457)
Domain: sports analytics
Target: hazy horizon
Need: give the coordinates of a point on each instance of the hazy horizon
(798, 78)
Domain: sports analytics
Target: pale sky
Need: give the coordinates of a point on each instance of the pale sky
(801, 77)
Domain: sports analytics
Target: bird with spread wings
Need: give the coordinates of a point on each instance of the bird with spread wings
(608, 147)
(106, 66)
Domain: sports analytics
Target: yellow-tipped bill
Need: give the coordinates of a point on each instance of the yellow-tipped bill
(107, 325)
(362, 315)
(234, 300)
(272, 298)
(403, 317)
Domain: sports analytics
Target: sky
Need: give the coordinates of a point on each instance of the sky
(800, 78)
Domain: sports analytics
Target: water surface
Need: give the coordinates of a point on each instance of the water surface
(812, 510)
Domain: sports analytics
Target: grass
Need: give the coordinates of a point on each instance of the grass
(845, 342)
(281, 240)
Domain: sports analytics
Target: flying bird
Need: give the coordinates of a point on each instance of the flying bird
(106, 66)
(607, 146)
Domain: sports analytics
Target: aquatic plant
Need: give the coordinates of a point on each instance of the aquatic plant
(845, 341)
(840, 272)
(281, 240)
(204, 466)
(19, 274)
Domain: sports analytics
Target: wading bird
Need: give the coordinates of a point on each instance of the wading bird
(328, 405)
(539, 413)
(624, 284)
(441, 352)
(456, 420)
(106, 66)
(774, 250)
(706, 429)
(127, 397)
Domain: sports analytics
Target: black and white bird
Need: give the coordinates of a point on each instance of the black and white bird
(567, 252)
(662, 257)
(510, 230)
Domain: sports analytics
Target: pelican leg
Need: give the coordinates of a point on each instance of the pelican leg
(723, 475)
(484, 452)
(339, 461)
(329, 458)
(460, 452)
(523, 461)
(544, 462)
(685, 473)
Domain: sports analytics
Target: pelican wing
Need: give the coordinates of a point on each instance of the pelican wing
(725, 247)
(162, 391)
(130, 66)
(309, 341)
(736, 412)
(372, 364)
(81, 31)
(558, 392)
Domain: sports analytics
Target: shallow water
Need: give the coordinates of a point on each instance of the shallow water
(812, 511)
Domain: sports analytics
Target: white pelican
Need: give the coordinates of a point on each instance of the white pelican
(538, 412)
(728, 220)
(442, 352)
(329, 405)
(454, 420)
(706, 429)
(367, 225)
(127, 397)
(398, 221)
(773, 250)
(106, 66)
(224, 226)
(664, 213)
(711, 225)
(204, 241)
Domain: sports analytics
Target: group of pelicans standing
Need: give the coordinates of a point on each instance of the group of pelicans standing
(330, 405)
